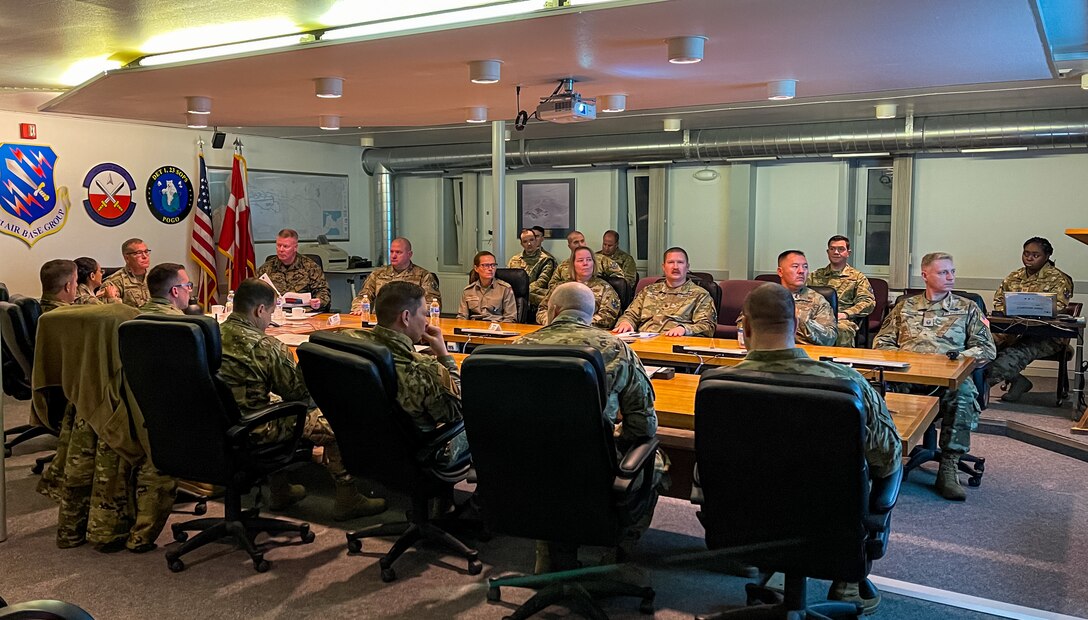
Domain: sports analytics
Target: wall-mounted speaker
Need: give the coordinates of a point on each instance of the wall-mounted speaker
(218, 138)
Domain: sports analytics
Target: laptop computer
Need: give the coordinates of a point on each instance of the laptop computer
(1034, 305)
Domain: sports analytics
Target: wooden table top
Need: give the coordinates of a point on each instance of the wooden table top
(1080, 234)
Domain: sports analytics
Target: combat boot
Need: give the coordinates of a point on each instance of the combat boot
(351, 504)
(1020, 386)
(948, 482)
(282, 493)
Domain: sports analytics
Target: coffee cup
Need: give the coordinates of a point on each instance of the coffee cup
(218, 310)
(298, 313)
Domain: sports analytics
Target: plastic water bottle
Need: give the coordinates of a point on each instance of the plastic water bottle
(740, 336)
(436, 311)
(366, 307)
(229, 307)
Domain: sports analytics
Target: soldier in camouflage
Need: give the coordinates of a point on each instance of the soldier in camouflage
(428, 386)
(856, 298)
(939, 322)
(770, 336)
(675, 307)
(605, 266)
(537, 263)
(815, 320)
(610, 247)
(130, 280)
(170, 288)
(292, 272)
(1039, 275)
(89, 277)
(255, 366)
(486, 298)
(629, 405)
(607, 300)
(59, 286)
(399, 269)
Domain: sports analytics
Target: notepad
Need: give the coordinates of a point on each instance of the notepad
(469, 331)
(636, 335)
(293, 340)
(1034, 305)
(857, 361)
(717, 351)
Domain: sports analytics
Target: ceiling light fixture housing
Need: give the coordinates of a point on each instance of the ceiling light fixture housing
(329, 87)
(196, 121)
(476, 114)
(612, 103)
(781, 90)
(706, 174)
(671, 124)
(484, 71)
(686, 50)
(886, 110)
(329, 122)
(198, 105)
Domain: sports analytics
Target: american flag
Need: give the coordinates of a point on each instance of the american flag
(202, 245)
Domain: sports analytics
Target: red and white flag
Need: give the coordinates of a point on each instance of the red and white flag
(236, 236)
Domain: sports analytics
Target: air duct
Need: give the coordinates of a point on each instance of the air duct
(384, 212)
(1036, 129)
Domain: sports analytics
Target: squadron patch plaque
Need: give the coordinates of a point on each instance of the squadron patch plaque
(109, 198)
(30, 207)
(169, 194)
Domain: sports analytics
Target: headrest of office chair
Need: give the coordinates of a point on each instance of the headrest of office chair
(208, 327)
(782, 379)
(588, 354)
(3, 292)
(516, 278)
(376, 354)
(31, 309)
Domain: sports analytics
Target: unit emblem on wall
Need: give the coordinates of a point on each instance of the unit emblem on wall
(109, 194)
(169, 194)
(30, 207)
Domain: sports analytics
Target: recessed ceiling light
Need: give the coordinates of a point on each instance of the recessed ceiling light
(686, 50)
(781, 90)
(329, 87)
(477, 114)
(484, 71)
(198, 105)
(612, 103)
(329, 122)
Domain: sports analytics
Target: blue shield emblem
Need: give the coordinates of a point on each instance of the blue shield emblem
(29, 203)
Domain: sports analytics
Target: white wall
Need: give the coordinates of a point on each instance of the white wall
(82, 144)
(698, 218)
(798, 206)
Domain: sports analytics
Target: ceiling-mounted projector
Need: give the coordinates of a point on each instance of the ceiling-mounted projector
(566, 106)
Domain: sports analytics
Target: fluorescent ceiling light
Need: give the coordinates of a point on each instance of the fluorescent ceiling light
(754, 158)
(218, 34)
(844, 155)
(572, 166)
(347, 12)
(656, 162)
(83, 70)
(224, 50)
(432, 20)
(995, 149)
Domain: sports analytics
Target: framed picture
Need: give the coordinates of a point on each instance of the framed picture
(548, 203)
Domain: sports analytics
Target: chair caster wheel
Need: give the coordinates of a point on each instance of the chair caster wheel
(261, 565)
(7, 452)
(980, 466)
(175, 565)
(355, 545)
(493, 595)
(974, 481)
(305, 534)
(180, 535)
(475, 567)
(388, 575)
(37, 468)
(200, 508)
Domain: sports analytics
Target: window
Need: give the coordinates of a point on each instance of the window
(873, 232)
(452, 223)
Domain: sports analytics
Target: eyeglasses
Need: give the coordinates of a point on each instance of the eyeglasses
(488, 265)
(139, 253)
(188, 285)
(835, 250)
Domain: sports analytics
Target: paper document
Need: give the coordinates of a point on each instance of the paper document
(636, 335)
(264, 278)
(293, 340)
(295, 299)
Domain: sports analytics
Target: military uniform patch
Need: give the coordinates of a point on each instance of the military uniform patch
(109, 194)
(169, 194)
(30, 207)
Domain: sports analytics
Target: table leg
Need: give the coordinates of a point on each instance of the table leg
(1079, 407)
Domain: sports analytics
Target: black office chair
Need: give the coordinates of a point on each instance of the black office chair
(43, 610)
(623, 290)
(831, 296)
(317, 259)
(870, 325)
(768, 277)
(547, 467)
(203, 437)
(781, 475)
(1063, 356)
(109, 271)
(519, 281)
(18, 327)
(3, 291)
(355, 384)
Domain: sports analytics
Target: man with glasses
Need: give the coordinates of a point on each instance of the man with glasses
(131, 280)
(295, 273)
(856, 298)
(537, 263)
(170, 290)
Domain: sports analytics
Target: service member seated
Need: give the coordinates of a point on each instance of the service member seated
(815, 321)
(400, 269)
(486, 298)
(1014, 353)
(610, 247)
(89, 278)
(607, 300)
(59, 287)
(538, 264)
(605, 266)
(939, 322)
(170, 289)
(856, 298)
(675, 307)
(770, 333)
(255, 366)
(131, 280)
(292, 272)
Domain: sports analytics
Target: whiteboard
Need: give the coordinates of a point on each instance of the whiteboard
(312, 204)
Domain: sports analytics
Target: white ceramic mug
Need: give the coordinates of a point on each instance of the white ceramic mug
(218, 310)
(298, 313)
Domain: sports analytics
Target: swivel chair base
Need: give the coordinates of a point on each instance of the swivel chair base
(790, 605)
(22, 433)
(579, 587)
(419, 528)
(928, 451)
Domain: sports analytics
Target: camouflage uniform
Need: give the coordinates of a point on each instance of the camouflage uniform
(495, 303)
(815, 320)
(951, 324)
(384, 275)
(1015, 353)
(255, 364)
(49, 302)
(856, 298)
(605, 267)
(301, 276)
(606, 304)
(627, 264)
(540, 267)
(160, 305)
(132, 288)
(88, 298)
(883, 449)
(428, 388)
(658, 308)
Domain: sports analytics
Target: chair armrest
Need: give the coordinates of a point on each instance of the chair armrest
(884, 492)
(635, 459)
(697, 496)
(443, 434)
(247, 423)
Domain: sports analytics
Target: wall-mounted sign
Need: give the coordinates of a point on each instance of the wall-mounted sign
(109, 190)
(29, 205)
(169, 194)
